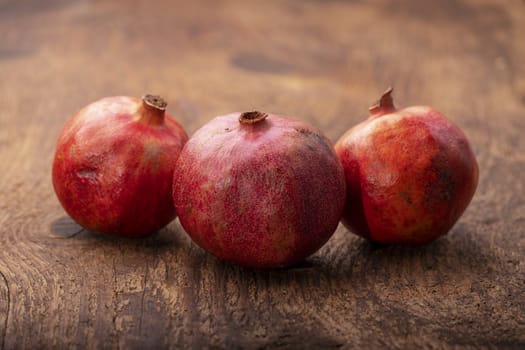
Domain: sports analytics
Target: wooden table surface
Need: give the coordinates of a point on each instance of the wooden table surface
(322, 61)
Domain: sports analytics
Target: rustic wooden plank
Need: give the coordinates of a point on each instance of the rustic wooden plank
(323, 61)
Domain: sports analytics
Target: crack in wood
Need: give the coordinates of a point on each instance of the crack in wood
(4, 333)
(115, 303)
(142, 297)
(75, 233)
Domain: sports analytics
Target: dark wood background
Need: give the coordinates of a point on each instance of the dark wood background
(323, 61)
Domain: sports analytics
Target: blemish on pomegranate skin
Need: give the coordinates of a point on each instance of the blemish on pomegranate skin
(446, 184)
(442, 184)
(314, 136)
(407, 197)
(87, 173)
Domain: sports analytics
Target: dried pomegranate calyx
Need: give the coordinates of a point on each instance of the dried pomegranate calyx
(155, 101)
(384, 105)
(152, 109)
(252, 117)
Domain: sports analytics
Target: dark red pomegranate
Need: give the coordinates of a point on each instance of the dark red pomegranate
(410, 174)
(113, 166)
(259, 190)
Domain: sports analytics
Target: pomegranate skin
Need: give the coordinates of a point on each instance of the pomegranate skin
(410, 174)
(113, 166)
(259, 190)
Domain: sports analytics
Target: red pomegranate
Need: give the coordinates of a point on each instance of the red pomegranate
(410, 174)
(113, 166)
(259, 190)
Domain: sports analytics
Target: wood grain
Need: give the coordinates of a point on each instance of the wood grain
(323, 61)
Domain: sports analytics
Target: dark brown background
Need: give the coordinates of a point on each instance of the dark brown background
(323, 61)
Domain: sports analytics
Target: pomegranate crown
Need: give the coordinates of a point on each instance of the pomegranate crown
(252, 117)
(384, 105)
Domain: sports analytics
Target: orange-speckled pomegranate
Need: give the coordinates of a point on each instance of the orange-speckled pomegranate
(410, 174)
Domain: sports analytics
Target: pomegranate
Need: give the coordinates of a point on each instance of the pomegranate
(259, 190)
(410, 174)
(113, 165)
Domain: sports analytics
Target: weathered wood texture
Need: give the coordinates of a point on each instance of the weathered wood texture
(323, 61)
